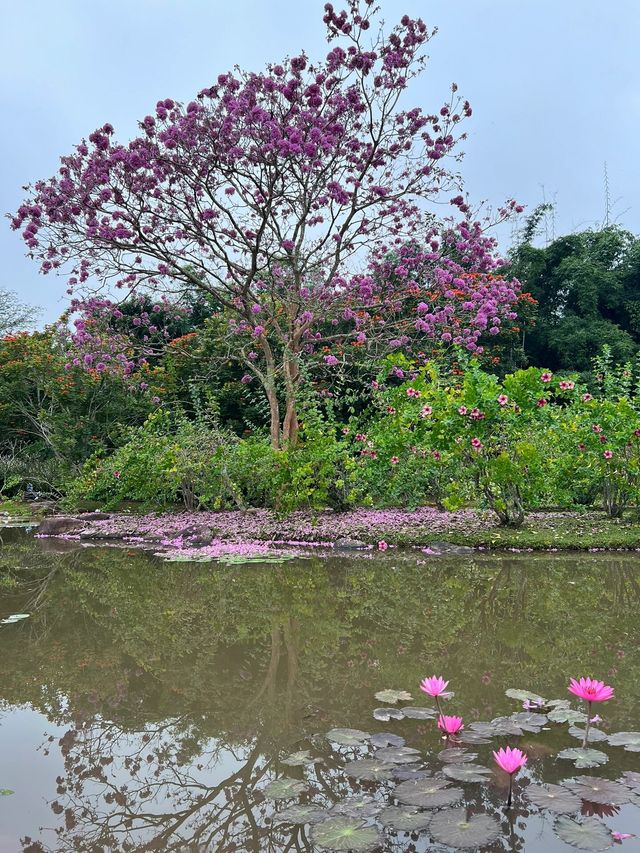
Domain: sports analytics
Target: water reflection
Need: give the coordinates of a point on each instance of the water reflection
(169, 694)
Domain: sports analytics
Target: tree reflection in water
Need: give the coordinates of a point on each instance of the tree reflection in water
(181, 688)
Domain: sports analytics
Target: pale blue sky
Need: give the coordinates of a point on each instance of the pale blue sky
(555, 87)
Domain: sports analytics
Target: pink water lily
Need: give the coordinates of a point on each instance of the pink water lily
(510, 760)
(450, 725)
(590, 689)
(619, 837)
(434, 686)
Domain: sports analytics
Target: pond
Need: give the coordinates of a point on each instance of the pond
(149, 705)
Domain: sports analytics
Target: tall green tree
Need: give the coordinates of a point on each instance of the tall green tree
(587, 286)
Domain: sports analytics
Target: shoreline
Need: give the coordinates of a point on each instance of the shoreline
(215, 535)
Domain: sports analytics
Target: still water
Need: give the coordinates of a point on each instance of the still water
(149, 706)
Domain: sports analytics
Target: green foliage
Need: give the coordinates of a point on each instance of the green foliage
(586, 286)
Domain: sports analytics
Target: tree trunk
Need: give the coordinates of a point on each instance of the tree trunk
(274, 409)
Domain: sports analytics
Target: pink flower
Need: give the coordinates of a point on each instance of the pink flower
(361, 436)
(586, 398)
(636, 432)
(503, 399)
(391, 410)
(413, 392)
(434, 686)
(596, 428)
(619, 837)
(116, 474)
(567, 385)
(425, 411)
(436, 455)
(590, 690)
(450, 725)
(395, 460)
(345, 430)
(510, 760)
(476, 443)
(462, 410)
(541, 402)
(382, 545)
(608, 454)
(546, 377)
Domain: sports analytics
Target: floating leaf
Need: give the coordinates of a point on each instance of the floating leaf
(343, 833)
(558, 703)
(473, 738)
(602, 791)
(348, 737)
(588, 834)
(555, 798)
(6, 792)
(594, 734)
(632, 779)
(584, 757)
(529, 722)
(16, 617)
(368, 769)
(357, 807)
(525, 696)
(500, 727)
(386, 714)
(403, 772)
(453, 827)
(393, 696)
(284, 789)
(428, 793)
(239, 560)
(405, 819)
(414, 713)
(183, 558)
(457, 755)
(307, 813)
(386, 739)
(398, 755)
(466, 772)
(629, 740)
(566, 715)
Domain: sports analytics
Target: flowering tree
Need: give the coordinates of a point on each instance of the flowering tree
(297, 198)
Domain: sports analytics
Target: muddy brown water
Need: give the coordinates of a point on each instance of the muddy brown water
(147, 705)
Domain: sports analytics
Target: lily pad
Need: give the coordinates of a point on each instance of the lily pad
(595, 735)
(301, 758)
(357, 807)
(629, 740)
(306, 813)
(398, 755)
(632, 779)
(369, 769)
(284, 789)
(6, 792)
(16, 617)
(473, 738)
(184, 558)
(403, 772)
(344, 833)
(525, 696)
(405, 819)
(427, 793)
(393, 696)
(566, 715)
(457, 755)
(455, 828)
(588, 834)
(529, 722)
(467, 772)
(415, 713)
(583, 758)
(602, 791)
(386, 739)
(348, 737)
(555, 798)
(386, 714)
